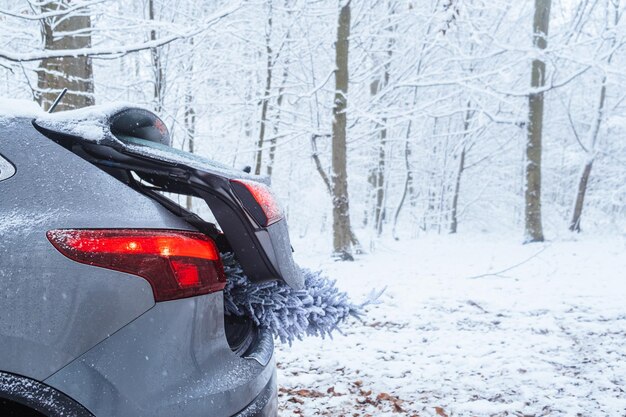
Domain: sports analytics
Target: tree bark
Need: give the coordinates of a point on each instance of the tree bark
(266, 93)
(408, 179)
(580, 196)
(379, 212)
(457, 189)
(593, 132)
(533, 222)
(574, 225)
(157, 64)
(454, 222)
(279, 105)
(318, 165)
(190, 115)
(378, 180)
(342, 236)
(73, 73)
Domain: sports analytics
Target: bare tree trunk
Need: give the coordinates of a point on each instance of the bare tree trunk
(379, 177)
(190, 115)
(190, 128)
(281, 96)
(574, 225)
(457, 188)
(379, 213)
(533, 224)
(595, 128)
(376, 87)
(72, 31)
(454, 222)
(428, 215)
(279, 105)
(443, 179)
(266, 94)
(408, 179)
(318, 165)
(157, 64)
(342, 236)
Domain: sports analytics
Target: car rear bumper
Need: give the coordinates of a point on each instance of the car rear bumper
(172, 360)
(265, 404)
(53, 403)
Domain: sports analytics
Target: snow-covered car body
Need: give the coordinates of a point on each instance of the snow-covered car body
(86, 340)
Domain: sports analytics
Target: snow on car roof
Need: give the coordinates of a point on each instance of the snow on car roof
(92, 125)
(13, 108)
(89, 123)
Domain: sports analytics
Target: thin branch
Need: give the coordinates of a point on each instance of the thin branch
(32, 89)
(54, 13)
(318, 164)
(118, 50)
(497, 273)
(573, 126)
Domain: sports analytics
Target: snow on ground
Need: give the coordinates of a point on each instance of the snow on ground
(470, 326)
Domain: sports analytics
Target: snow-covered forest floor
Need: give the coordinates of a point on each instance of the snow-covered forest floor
(470, 326)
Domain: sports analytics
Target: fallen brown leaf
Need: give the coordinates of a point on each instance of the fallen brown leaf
(440, 411)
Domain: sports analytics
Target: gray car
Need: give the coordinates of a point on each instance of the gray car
(111, 292)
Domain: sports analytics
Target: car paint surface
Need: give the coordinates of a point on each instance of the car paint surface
(55, 309)
(173, 360)
(96, 334)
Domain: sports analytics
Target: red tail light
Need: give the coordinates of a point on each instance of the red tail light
(259, 200)
(177, 264)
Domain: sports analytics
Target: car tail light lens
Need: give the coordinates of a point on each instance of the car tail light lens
(177, 264)
(259, 200)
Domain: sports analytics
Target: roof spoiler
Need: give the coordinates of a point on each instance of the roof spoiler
(102, 124)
